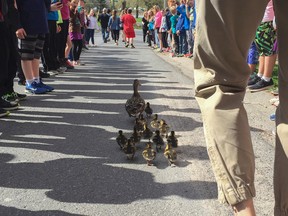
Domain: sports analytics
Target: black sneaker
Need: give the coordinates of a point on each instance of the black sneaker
(43, 74)
(22, 82)
(14, 97)
(4, 113)
(20, 97)
(253, 80)
(261, 85)
(6, 105)
(132, 46)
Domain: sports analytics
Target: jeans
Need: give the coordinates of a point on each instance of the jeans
(183, 45)
(105, 34)
(220, 84)
(89, 35)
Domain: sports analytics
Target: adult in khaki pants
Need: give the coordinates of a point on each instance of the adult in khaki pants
(225, 30)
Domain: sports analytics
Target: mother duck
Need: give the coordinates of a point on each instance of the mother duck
(136, 104)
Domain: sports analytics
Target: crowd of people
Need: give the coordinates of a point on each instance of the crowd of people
(171, 29)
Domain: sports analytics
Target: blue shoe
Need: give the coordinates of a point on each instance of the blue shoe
(34, 88)
(48, 88)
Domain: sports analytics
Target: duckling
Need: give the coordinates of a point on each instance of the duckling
(139, 126)
(147, 133)
(155, 122)
(164, 128)
(157, 139)
(136, 136)
(136, 104)
(148, 110)
(121, 139)
(171, 139)
(142, 120)
(149, 154)
(170, 154)
(129, 149)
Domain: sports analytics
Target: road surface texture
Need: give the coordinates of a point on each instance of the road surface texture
(59, 156)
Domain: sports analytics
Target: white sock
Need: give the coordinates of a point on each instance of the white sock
(259, 74)
(29, 82)
(267, 79)
(36, 79)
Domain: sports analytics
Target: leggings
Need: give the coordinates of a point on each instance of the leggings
(76, 49)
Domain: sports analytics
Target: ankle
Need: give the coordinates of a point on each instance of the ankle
(244, 208)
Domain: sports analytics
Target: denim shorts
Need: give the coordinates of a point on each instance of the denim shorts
(253, 54)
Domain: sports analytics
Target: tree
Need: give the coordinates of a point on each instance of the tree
(150, 3)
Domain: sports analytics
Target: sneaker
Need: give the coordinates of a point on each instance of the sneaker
(20, 97)
(14, 96)
(3, 113)
(43, 74)
(272, 117)
(22, 82)
(261, 85)
(68, 64)
(6, 105)
(132, 46)
(253, 80)
(180, 55)
(48, 88)
(127, 45)
(34, 88)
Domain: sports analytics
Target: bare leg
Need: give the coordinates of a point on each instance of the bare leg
(35, 67)
(261, 64)
(27, 69)
(68, 46)
(245, 208)
(269, 65)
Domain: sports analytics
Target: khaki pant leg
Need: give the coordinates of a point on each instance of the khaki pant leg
(225, 30)
(281, 153)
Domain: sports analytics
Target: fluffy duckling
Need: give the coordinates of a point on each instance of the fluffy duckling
(164, 128)
(129, 149)
(136, 136)
(139, 126)
(158, 140)
(155, 122)
(142, 120)
(136, 104)
(147, 133)
(121, 139)
(148, 110)
(170, 154)
(171, 139)
(149, 154)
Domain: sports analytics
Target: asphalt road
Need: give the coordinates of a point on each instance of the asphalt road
(59, 156)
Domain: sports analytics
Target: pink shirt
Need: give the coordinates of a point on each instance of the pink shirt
(65, 11)
(158, 19)
(269, 12)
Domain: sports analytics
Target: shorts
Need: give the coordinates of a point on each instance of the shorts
(158, 30)
(265, 39)
(253, 54)
(31, 46)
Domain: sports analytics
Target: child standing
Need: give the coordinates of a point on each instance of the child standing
(91, 26)
(174, 20)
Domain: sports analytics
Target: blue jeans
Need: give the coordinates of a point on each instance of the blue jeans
(183, 45)
(105, 34)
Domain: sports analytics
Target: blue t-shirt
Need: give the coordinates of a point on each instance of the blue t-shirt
(33, 15)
